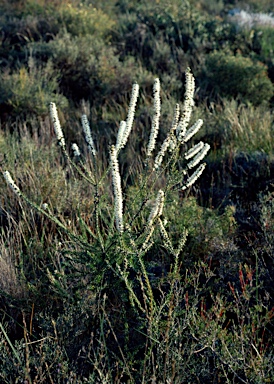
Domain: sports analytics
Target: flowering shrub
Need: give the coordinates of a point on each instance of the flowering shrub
(124, 304)
(178, 135)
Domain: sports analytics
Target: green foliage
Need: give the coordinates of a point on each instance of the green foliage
(263, 42)
(78, 18)
(30, 90)
(233, 126)
(237, 76)
(84, 20)
(209, 232)
(90, 68)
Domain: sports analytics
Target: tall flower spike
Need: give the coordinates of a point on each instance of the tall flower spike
(156, 118)
(120, 135)
(56, 125)
(187, 106)
(117, 189)
(199, 157)
(130, 116)
(192, 151)
(11, 183)
(192, 130)
(159, 158)
(176, 116)
(192, 179)
(87, 134)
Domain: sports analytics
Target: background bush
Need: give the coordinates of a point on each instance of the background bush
(237, 76)
(29, 90)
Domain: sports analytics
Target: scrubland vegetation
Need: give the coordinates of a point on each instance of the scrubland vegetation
(117, 265)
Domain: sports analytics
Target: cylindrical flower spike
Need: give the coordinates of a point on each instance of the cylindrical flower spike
(192, 131)
(57, 126)
(170, 141)
(161, 153)
(87, 134)
(120, 135)
(117, 189)
(156, 118)
(192, 179)
(130, 115)
(192, 151)
(187, 106)
(199, 157)
(176, 117)
(11, 183)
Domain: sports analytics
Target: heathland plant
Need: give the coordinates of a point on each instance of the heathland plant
(124, 305)
(122, 227)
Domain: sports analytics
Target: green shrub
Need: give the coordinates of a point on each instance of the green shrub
(89, 68)
(84, 20)
(263, 42)
(114, 241)
(238, 77)
(77, 17)
(124, 301)
(29, 90)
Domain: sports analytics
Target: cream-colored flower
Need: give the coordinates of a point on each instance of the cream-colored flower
(76, 151)
(87, 134)
(199, 157)
(176, 117)
(120, 135)
(192, 131)
(156, 117)
(192, 179)
(192, 151)
(56, 125)
(159, 158)
(11, 183)
(187, 106)
(130, 116)
(117, 189)
(157, 208)
(170, 140)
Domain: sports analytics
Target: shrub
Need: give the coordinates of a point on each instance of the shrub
(114, 242)
(263, 43)
(123, 301)
(84, 20)
(30, 90)
(90, 69)
(238, 77)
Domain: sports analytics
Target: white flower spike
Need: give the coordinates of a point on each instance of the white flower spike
(156, 117)
(117, 189)
(11, 183)
(87, 134)
(57, 126)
